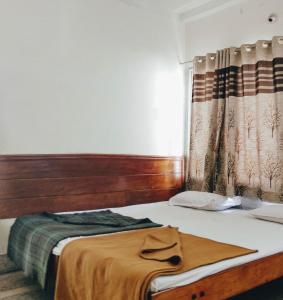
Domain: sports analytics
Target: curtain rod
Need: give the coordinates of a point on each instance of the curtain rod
(248, 48)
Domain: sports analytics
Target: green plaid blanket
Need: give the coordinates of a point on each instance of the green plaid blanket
(32, 238)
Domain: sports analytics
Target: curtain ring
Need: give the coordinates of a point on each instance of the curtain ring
(265, 45)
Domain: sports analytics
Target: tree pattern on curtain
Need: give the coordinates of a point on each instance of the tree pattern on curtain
(237, 121)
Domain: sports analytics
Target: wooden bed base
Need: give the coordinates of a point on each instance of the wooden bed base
(222, 285)
(230, 282)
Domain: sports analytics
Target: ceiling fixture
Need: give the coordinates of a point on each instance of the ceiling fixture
(272, 18)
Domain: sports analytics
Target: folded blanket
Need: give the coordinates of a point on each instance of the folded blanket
(32, 238)
(103, 217)
(121, 266)
(164, 245)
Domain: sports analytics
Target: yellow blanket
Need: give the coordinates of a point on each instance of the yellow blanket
(121, 266)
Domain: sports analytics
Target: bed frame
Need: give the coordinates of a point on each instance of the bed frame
(222, 285)
(35, 183)
(231, 282)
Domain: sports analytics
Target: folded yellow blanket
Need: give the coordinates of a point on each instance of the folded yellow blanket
(121, 266)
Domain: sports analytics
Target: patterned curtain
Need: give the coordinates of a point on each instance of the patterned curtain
(237, 121)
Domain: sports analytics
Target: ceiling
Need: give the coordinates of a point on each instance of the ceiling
(185, 10)
(172, 5)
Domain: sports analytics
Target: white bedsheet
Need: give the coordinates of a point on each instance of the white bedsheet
(232, 226)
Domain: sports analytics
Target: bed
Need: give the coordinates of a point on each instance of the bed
(233, 226)
(32, 184)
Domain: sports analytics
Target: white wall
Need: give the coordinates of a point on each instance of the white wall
(5, 226)
(245, 22)
(94, 76)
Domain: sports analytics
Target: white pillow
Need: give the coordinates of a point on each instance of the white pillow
(249, 202)
(203, 200)
(272, 213)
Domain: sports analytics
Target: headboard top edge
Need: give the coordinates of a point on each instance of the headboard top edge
(4, 157)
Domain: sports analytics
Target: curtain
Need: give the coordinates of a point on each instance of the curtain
(236, 143)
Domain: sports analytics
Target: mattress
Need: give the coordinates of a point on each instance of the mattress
(233, 226)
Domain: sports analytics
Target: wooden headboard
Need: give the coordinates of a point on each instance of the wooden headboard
(35, 183)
